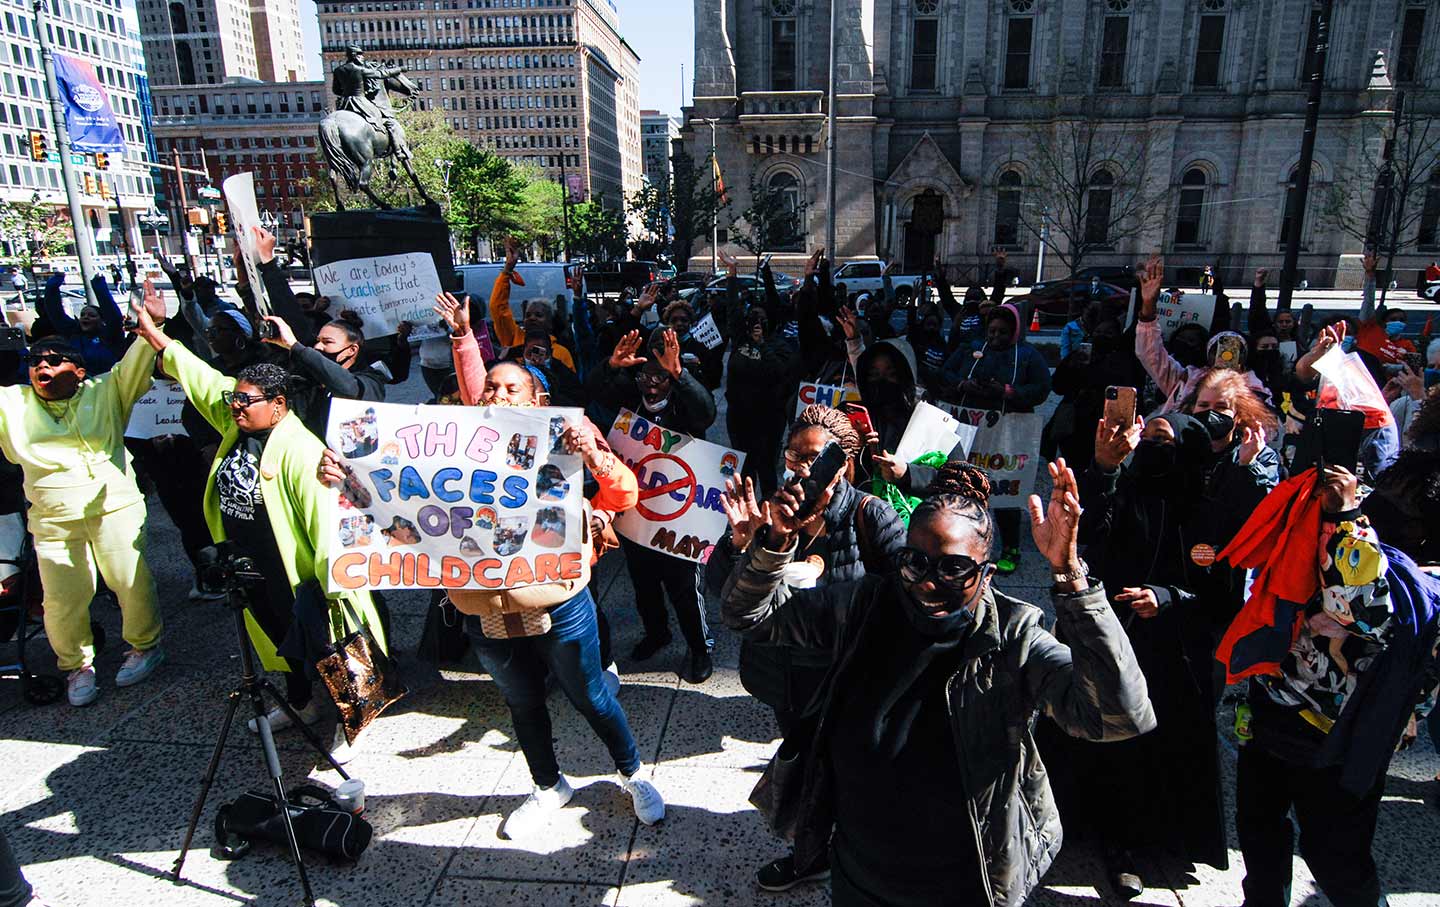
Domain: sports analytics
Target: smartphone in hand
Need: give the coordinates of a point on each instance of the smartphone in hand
(859, 417)
(827, 464)
(1119, 406)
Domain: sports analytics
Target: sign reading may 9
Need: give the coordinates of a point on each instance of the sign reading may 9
(454, 497)
(681, 479)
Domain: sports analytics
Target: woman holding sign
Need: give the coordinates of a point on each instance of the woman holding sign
(559, 636)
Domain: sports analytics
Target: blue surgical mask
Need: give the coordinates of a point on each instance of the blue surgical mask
(1348, 344)
(1394, 329)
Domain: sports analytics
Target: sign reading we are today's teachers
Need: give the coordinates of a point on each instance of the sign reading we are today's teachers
(454, 497)
(384, 291)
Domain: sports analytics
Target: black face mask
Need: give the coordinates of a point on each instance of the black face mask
(1189, 354)
(1154, 459)
(887, 394)
(1265, 362)
(1219, 425)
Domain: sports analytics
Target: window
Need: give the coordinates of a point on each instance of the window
(1407, 62)
(782, 55)
(1429, 238)
(1017, 52)
(1208, 48)
(1192, 208)
(1097, 208)
(1114, 42)
(1007, 209)
(924, 54)
(785, 185)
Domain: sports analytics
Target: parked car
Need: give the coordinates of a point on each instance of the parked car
(618, 276)
(867, 276)
(749, 283)
(689, 280)
(1122, 276)
(1054, 299)
(543, 280)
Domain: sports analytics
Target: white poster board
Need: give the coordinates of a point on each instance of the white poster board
(932, 429)
(830, 395)
(454, 497)
(707, 332)
(385, 291)
(244, 214)
(157, 412)
(1007, 446)
(681, 480)
(1190, 308)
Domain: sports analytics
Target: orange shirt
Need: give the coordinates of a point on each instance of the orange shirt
(1371, 338)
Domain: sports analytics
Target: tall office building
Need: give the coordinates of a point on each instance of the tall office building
(205, 42)
(657, 132)
(104, 34)
(550, 83)
(279, 44)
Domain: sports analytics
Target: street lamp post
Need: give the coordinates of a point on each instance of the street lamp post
(715, 209)
(1295, 209)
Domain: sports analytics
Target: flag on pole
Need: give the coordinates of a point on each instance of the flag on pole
(719, 180)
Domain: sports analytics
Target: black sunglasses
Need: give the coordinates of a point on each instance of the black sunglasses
(242, 399)
(54, 360)
(952, 570)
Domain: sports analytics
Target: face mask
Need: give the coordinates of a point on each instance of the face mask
(1393, 329)
(1154, 460)
(1219, 425)
(1264, 361)
(887, 394)
(956, 623)
(1348, 345)
(654, 407)
(1189, 354)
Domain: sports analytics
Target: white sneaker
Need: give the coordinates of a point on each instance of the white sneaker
(649, 805)
(80, 686)
(535, 812)
(342, 750)
(279, 720)
(612, 679)
(139, 665)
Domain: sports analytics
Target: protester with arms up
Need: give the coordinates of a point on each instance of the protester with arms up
(539, 316)
(328, 369)
(96, 334)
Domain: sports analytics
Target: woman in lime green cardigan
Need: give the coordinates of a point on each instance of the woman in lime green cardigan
(263, 497)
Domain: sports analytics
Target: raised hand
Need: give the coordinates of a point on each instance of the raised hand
(848, 323)
(454, 312)
(145, 327)
(812, 264)
(264, 244)
(1337, 490)
(892, 468)
(579, 439)
(512, 253)
(1252, 441)
(1260, 275)
(154, 301)
(784, 517)
(1113, 443)
(1151, 276)
(743, 511)
(648, 296)
(284, 337)
(1057, 526)
(669, 355)
(624, 355)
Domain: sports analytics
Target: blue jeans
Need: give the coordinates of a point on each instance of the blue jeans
(571, 652)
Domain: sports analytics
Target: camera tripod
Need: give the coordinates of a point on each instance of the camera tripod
(255, 688)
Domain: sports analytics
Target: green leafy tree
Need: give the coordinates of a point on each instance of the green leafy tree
(772, 222)
(650, 207)
(540, 214)
(597, 232)
(430, 139)
(32, 231)
(694, 204)
(486, 195)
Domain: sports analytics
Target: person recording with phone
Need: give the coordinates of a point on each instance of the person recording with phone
(263, 498)
(923, 737)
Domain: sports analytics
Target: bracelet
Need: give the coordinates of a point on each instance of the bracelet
(603, 471)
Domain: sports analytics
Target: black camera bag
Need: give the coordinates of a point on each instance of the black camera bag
(321, 824)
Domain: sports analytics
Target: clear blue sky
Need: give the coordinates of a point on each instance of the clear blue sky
(661, 31)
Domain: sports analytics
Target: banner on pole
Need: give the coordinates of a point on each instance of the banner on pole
(831, 395)
(454, 497)
(157, 412)
(681, 480)
(1006, 446)
(384, 291)
(88, 116)
(244, 214)
(1190, 308)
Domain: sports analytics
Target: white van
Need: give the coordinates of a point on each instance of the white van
(543, 280)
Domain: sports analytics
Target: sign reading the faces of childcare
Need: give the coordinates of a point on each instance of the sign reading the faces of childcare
(385, 291)
(830, 395)
(1005, 446)
(1189, 308)
(454, 497)
(157, 412)
(681, 479)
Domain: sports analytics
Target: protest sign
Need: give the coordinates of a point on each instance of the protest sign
(157, 412)
(1190, 308)
(681, 480)
(244, 214)
(1005, 446)
(706, 332)
(454, 497)
(825, 394)
(932, 429)
(384, 291)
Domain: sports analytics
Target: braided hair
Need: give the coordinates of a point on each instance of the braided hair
(963, 490)
(833, 421)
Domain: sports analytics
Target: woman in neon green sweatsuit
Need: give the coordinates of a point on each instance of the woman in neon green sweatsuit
(66, 431)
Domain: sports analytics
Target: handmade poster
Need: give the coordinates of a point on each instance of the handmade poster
(454, 497)
(932, 429)
(157, 412)
(1191, 308)
(681, 480)
(245, 213)
(385, 291)
(1005, 446)
(707, 332)
(825, 394)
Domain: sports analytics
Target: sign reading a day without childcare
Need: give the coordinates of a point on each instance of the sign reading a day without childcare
(454, 497)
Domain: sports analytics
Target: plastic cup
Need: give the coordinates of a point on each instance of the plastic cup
(351, 795)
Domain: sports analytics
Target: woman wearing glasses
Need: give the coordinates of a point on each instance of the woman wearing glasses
(922, 778)
(262, 497)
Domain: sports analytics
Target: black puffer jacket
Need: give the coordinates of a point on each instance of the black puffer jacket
(1012, 668)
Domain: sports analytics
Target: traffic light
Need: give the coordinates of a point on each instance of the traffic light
(89, 184)
(104, 189)
(39, 148)
(102, 160)
(221, 223)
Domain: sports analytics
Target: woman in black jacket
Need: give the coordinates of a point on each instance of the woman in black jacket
(762, 372)
(854, 535)
(922, 767)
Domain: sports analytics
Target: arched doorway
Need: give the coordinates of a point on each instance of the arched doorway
(927, 218)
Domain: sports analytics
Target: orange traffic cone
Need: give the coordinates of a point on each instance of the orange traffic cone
(1035, 321)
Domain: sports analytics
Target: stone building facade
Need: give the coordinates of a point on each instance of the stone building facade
(938, 103)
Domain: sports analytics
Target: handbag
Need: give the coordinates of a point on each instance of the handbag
(361, 678)
(780, 790)
(320, 824)
(443, 641)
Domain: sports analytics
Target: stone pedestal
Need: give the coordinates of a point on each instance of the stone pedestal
(341, 235)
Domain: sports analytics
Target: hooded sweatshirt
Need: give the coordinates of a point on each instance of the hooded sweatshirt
(890, 405)
(1177, 382)
(1020, 366)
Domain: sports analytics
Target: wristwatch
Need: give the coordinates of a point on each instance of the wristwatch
(1079, 573)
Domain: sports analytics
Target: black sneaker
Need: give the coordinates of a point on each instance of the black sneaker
(779, 875)
(1120, 867)
(646, 648)
(698, 667)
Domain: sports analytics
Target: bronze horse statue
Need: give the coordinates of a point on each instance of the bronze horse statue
(352, 146)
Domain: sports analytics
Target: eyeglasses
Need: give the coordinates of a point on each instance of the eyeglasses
(54, 360)
(953, 570)
(794, 459)
(242, 399)
(651, 380)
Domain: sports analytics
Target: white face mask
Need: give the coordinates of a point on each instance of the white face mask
(655, 407)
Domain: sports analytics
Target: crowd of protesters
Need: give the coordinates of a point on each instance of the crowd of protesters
(937, 733)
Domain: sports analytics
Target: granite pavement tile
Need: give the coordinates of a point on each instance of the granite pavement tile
(493, 892)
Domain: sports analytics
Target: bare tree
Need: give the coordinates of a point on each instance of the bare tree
(1382, 201)
(1087, 182)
